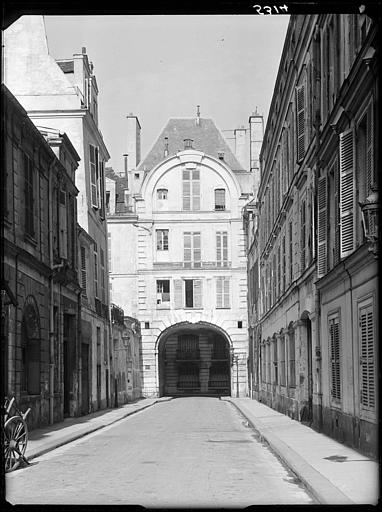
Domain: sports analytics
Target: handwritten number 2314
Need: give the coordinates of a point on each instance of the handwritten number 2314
(270, 9)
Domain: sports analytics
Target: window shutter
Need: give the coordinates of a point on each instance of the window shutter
(197, 250)
(198, 293)
(336, 213)
(225, 248)
(334, 334)
(63, 225)
(219, 292)
(186, 190)
(370, 176)
(226, 293)
(178, 293)
(93, 177)
(300, 124)
(303, 236)
(97, 163)
(102, 189)
(367, 359)
(196, 195)
(347, 195)
(187, 249)
(83, 270)
(322, 227)
(218, 248)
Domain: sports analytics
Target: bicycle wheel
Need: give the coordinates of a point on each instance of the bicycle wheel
(15, 442)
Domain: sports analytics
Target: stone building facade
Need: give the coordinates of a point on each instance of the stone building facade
(183, 272)
(63, 95)
(314, 291)
(40, 318)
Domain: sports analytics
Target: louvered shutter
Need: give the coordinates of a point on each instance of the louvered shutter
(83, 270)
(97, 176)
(225, 248)
(198, 293)
(219, 292)
(300, 121)
(218, 248)
(226, 293)
(322, 227)
(196, 192)
(196, 250)
(187, 249)
(347, 193)
(336, 256)
(102, 189)
(93, 176)
(178, 293)
(303, 236)
(334, 334)
(186, 190)
(370, 176)
(367, 360)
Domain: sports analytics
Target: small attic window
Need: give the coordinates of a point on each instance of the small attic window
(188, 143)
(221, 155)
(136, 175)
(162, 193)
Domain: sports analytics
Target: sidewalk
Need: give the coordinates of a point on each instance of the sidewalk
(333, 473)
(43, 440)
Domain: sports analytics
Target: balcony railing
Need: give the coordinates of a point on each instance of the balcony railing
(207, 265)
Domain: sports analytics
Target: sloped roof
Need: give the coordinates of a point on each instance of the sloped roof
(206, 138)
(67, 66)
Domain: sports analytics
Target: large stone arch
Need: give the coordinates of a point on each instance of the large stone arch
(194, 359)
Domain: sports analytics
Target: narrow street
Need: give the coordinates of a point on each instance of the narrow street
(189, 452)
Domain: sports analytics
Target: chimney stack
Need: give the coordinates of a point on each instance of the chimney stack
(166, 146)
(133, 141)
(125, 162)
(197, 120)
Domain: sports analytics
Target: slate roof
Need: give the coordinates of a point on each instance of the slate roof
(206, 138)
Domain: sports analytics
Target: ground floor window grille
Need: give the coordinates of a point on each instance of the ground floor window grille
(282, 361)
(275, 361)
(335, 369)
(367, 357)
(188, 376)
(292, 359)
(219, 376)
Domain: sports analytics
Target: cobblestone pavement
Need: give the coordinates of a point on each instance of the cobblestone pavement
(189, 452)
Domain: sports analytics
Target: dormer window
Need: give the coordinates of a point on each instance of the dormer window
(219, 199)
(136, 175)
(188, 143)
(162, 193)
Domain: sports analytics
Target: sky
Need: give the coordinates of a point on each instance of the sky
(163, 66)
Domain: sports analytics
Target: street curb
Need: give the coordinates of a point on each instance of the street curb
(75, 437)
(319, 486)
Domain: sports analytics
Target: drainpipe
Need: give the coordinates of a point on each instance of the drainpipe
(51, 317)
(79, 352)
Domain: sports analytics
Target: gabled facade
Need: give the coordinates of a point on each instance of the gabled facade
(183, 272)
(63, 95)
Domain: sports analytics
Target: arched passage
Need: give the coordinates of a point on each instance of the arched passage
(194, 359)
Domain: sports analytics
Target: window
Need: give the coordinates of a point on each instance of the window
(367, 356)
(268, 355)
(220, 199)
(192, 250)
(282, 360)
(191, 189)
(30, 348)
(163, 292)
(292, 359)
(222, 248)
(108, 201)
(283, 280)
(322, 226)
(63, 224)
(83, 270)
(29, 196)
(109, 253)
(94, 178)
(101, 189)
(290, 252)
(102, 259)
(162, 193)
(222, 292)
(162, 239)
(303, 236)
(95, 271)
(188, 293)
(136, 175)
(335, 370)
(275, 361)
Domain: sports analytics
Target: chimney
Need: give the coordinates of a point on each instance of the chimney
(240, 145)
(188, 143)
(125, 164)
(197, 120)
(133, 141)
(256, 135)
(83, 50)
(166, 146)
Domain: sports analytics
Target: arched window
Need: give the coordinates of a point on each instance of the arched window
(162, 193)
(30, 348)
